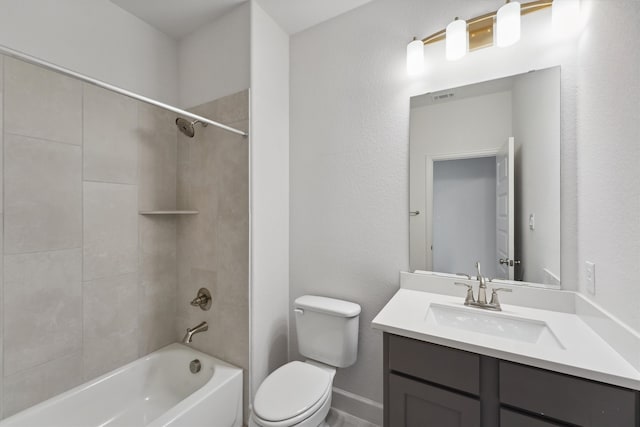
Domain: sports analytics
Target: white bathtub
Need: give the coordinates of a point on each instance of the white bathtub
(156, 390)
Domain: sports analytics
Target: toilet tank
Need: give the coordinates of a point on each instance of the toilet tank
(327, 329)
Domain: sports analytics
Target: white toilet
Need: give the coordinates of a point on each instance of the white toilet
(299, 393)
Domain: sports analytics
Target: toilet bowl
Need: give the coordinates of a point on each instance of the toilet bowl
(299, 393)
(296, 394)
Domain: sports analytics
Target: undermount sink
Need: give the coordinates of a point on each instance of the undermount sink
(495, 324)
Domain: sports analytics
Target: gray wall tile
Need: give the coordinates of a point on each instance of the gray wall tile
(110, 331)
(157, 319)
(228, 109)
(1, 218)
(158, 263)
(1, 141)
(157, 145)
(1, 316)
(213, 246)
(27, 388)
(157, 283)
(42, 104)
(43, 209)
(110, 124)
(110, 229)
(42, 308)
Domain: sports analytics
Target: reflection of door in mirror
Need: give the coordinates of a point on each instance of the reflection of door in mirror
(505, 236)
(474, 122)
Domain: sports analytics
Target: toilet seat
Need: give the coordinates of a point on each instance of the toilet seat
(291, 394)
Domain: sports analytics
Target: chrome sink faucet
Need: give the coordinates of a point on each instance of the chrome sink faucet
(481, 302)
(482, 287)
(201, 327)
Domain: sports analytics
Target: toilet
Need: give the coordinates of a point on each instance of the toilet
(299, 393)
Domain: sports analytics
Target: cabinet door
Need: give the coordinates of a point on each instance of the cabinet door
(415, 404)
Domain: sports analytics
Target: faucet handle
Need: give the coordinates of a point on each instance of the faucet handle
(469, 298)
(494, 295)
(464, 274)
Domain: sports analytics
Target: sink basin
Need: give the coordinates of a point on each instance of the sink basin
(495, 324)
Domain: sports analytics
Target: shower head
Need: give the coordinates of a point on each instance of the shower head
(187, 127)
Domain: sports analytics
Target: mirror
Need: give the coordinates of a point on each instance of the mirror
(485, 179)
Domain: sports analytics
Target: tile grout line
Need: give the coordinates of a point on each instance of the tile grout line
(82, 290)
(2, 58)
(139, 240)
(78, 352)
(95, 181)
(8, 254)
(41, 139)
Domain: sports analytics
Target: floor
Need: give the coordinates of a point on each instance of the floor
(338, 418)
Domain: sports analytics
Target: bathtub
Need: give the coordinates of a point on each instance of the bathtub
(156, 390)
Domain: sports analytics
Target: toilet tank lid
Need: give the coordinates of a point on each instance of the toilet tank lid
(332, 306)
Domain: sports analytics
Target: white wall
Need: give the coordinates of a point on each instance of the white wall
(464, 215)
(349, 151)
(214, 61)
(538, 172)
(269, 195)
(95, 38)
(434, 132)
(609, 155)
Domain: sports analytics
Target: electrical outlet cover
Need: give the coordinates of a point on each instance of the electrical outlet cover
(590, 276)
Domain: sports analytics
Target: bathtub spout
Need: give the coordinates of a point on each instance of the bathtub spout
(188, 337)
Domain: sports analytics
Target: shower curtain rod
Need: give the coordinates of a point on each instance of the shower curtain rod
(32, 60)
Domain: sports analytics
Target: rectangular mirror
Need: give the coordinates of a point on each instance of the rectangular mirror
(485, 179)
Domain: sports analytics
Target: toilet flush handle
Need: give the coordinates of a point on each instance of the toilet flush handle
(298, 311)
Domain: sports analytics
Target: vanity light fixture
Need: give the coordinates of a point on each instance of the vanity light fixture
(462, 36)
(508, 24)
(456, 39)
(415, 57)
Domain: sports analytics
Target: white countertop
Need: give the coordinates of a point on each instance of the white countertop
(585, 354)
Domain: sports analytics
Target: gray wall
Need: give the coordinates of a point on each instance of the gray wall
(537, 178)
(609, 156)
(349, 141)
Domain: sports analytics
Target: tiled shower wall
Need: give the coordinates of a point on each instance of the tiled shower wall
(213, 246)
(88, 283)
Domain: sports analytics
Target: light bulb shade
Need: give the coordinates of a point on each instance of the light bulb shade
(415, 57)
(456, 39)
(508, 24)
(565, 16)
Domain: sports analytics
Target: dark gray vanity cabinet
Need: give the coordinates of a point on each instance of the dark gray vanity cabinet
(416, 401)
(428, 385)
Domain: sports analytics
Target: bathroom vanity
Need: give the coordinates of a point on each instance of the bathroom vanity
(450, 387)
(537, 363)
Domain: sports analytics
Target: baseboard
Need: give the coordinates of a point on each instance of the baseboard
(358, 406)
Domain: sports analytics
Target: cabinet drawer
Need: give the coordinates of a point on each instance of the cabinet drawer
(565, 398)
(416, 404)
(452, 368)
(513, 419)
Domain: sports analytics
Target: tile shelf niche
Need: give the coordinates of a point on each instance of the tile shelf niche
(168, 212)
